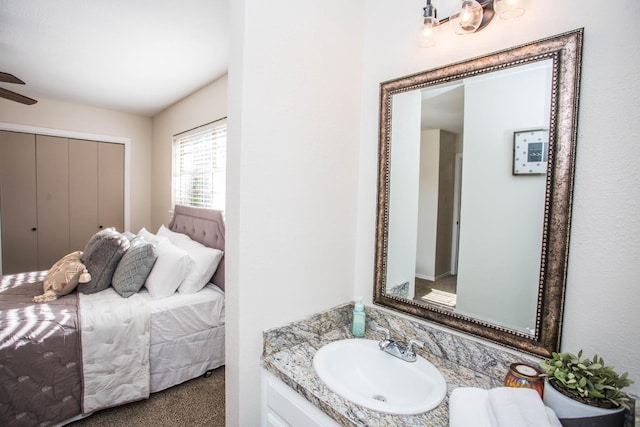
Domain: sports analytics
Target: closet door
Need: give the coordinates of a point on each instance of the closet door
(83, 192)
(111, 186)
(52, 178)
(18, 202)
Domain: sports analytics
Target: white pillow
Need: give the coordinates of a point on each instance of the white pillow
(172, 235)
(205, 260)
(205, 263)
(170, 269)
(148, 236)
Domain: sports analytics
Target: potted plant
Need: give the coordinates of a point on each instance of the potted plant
(584, 392)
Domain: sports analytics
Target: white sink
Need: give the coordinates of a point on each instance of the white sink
(359, 371)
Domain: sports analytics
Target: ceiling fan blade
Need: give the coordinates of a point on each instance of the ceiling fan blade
(4, 93)
(10, 78)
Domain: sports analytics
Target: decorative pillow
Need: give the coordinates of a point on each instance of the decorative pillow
(134, 267)
(205, 260)
(101, 257)
(129, 235)
(170, 269)
(63, 277)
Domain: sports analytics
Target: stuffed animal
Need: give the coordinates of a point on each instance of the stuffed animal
(63, 277)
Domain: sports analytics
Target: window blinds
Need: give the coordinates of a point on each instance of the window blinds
(199, 161)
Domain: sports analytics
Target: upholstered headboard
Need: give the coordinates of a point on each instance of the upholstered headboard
(205, 226)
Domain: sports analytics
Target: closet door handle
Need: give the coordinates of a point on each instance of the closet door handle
(33, 229)
(100, 227)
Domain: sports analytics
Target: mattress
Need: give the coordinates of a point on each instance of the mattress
(184, 314)
(187, 335)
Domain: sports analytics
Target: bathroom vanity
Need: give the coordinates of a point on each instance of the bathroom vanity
(510, 288)
(293, 391)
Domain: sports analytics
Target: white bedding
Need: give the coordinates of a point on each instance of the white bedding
(139, 345)
(187, 335)
(184, 314)
(115, 334)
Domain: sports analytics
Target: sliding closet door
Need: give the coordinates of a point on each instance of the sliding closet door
(55, 193)
(18, 202)
(52, 166)
(83, 192)
(111, 186)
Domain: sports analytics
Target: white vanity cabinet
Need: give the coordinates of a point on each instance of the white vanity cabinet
(283, 407)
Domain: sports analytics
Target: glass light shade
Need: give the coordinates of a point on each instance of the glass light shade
(428, 32)
(469, 18)
(508, 9)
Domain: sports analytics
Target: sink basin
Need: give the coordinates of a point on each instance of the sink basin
(359, 371)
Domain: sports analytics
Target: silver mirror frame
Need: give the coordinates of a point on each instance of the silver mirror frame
(566, 52)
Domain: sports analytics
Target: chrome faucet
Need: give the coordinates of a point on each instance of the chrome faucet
(387, 338)
(398, 348)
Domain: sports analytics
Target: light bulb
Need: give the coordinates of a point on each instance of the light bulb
(469, 18)
(508, 9)
(428, 32)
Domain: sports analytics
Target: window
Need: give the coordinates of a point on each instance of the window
(199, 166)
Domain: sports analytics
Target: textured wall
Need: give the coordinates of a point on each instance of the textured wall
(601, 313)
(311, 71)
(294, 100)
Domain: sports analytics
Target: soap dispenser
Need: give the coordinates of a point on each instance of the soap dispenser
(359, 319)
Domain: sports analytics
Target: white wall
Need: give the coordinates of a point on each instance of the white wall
(201, 107)
(428, 201)
(501, 213)
(403, 188)
(603, 265)
(294, 108)
(81, 121)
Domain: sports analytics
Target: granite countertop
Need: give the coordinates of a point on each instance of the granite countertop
(289, 353)
(294, 367)
(289, 350)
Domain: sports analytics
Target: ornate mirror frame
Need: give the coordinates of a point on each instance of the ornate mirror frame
(565, 50)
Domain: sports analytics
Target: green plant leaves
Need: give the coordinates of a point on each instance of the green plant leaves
(588, 378)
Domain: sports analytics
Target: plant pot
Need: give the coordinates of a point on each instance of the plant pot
(577, 414)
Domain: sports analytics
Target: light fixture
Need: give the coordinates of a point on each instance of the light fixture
(508, 9)
(428, 33)
(472, 16)
(468, 18)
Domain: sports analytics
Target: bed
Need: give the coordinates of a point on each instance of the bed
(62, 360)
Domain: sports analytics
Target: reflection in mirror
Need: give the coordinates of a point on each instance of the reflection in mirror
(495, 230)
(472, 230)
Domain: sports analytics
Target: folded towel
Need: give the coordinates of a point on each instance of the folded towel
(520, 407)
(469, 406)
(499, 407)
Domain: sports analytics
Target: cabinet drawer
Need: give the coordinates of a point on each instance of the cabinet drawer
(285, 407)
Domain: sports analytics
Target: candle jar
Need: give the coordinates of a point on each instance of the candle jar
(526, 376)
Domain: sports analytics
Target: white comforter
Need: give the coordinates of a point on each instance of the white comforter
(115, 335)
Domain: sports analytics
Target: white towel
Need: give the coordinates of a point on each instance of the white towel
(499, 407)
(520, 407)
(469, 406)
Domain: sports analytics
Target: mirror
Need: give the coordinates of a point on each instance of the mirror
(475, 177)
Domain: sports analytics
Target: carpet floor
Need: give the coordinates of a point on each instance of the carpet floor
(198, 402)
